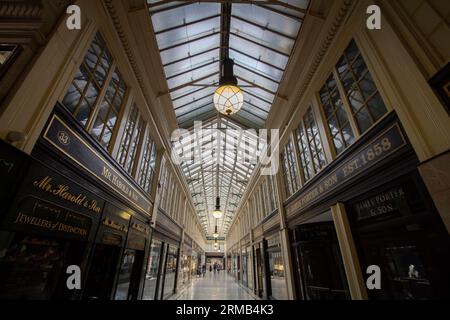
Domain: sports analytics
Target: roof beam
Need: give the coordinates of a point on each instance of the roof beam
(193, 101)
(264, 28)
(286, 14)
(189, 41)
(256, 73)
(187, 24)
(156, 11)
(193, 69)
(193, 82)
(260, 44)
(190, 56)
(255, 2)
(258, 86)
(256, 59)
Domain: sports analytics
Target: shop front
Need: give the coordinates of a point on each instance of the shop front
(277, 278)
(319, 273)
(186, 262)
(250, 272)
(397, 228)
(81, 209)
(259, 263)
(154, 265)
(372, 199)
(40, 238)
(245, 262)
(163, 262)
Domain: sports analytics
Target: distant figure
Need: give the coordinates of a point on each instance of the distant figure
(204, 270)
(210, 268)
(215, 267)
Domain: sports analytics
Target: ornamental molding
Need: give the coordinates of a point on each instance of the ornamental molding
(326, 43)
(26, 9)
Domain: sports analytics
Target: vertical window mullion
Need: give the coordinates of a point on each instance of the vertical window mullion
(347, 107)
(100, 98)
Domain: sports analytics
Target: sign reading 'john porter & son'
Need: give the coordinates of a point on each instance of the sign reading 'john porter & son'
(375, 151)
(65, 140)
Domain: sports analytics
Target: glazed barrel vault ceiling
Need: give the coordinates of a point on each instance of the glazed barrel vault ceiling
(193, 38)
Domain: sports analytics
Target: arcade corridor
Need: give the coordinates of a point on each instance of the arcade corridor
(301, 147)
(220, 286)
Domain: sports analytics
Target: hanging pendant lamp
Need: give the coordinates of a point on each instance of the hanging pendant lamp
(228, 98)
(216, 233)
(217, 213)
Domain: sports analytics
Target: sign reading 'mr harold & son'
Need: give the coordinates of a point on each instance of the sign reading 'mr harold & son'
(67, 141)
(381, 147)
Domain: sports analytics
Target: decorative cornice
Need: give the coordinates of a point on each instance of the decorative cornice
(20, 9)
(326, 45)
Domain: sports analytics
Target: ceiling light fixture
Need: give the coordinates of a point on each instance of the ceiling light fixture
(228, 98)
(216, 233)
(217, 213)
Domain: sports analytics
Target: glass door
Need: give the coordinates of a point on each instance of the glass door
(126, 269)
(102, 273)
(170, 271)
(153, 269)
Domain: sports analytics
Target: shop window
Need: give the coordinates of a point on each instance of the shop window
(171, 270)
(277, 275)
(365, 101)
(125, 275)
(147, 170)
(131, 140)
(312, 156)
(96, 111)
(337, 119)
(290, 170)
(151, 276)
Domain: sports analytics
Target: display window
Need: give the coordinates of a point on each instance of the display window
(151, 275)
(397, 228)
(170, 271)
(277, 275)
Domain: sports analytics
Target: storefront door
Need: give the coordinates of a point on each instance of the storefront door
(129, 275)
(102, 273)
(322, 275)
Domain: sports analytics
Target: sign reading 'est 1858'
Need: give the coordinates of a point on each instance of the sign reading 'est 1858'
(378, 149)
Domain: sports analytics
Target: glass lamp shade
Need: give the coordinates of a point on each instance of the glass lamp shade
(217, 213)
(215, 235)
(228, 99)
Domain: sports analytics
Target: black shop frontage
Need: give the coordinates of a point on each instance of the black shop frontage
(70, 204)
(388, 212)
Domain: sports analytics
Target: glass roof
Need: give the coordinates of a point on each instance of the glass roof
(260, 37)
(220, 168)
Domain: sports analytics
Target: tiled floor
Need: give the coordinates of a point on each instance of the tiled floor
(215, 287)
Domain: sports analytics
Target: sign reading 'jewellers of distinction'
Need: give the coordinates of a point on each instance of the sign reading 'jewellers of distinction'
(68, 211)
(64, 139)
(386, 144)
